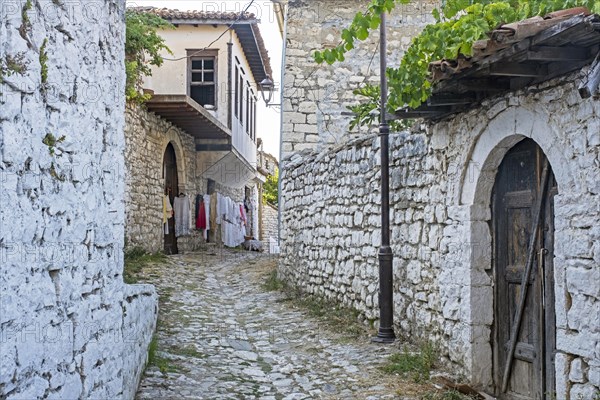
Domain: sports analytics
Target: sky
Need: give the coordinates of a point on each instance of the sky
(268, 119)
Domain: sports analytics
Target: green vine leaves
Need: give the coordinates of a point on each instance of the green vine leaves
(142, 49)
(458, 24)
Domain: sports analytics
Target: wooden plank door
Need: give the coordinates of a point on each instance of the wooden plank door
(171, 188)
(516, 192)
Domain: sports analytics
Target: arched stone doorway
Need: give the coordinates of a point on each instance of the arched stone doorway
(171, 188)
(472, 196)
(524, 334)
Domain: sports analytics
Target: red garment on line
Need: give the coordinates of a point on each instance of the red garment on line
(201, 217)
(243, 214)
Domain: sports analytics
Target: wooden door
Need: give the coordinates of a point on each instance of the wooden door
(171, 188)
(517, 192)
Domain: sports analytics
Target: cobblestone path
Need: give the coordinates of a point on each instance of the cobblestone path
(222, 336)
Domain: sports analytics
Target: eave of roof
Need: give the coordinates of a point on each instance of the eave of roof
(516, 55)
(246, 28)
(188, 115)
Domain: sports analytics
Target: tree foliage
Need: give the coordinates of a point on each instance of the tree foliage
(271, 189)
(142, 49)
(458, 24)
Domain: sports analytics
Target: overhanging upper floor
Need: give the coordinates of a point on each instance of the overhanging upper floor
(185, 113)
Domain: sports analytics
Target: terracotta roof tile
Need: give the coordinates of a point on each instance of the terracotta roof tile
(171, 14)
(259, 47)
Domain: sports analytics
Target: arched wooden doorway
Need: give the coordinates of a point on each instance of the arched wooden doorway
(171, 188)
(519, 192)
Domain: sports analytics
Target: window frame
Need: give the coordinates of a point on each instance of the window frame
(194, 55)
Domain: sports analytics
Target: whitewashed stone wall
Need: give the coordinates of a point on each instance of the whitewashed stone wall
(441, 181)
(69, 327)
(317, 96)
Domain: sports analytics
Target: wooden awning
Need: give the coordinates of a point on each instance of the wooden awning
(516, 55)
(188, 115)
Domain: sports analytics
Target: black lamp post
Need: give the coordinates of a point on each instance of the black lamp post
(386, 257)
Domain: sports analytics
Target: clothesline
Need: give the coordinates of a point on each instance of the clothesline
(213, 212)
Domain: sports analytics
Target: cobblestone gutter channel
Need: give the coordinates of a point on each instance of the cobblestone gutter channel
(222, 336)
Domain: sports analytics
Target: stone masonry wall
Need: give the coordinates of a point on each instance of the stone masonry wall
(441, 182)
(317, 96)
(270, 223)
(69, 327)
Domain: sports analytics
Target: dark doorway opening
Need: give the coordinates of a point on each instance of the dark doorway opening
(171, 189)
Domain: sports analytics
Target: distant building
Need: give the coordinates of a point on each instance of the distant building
(199, 134)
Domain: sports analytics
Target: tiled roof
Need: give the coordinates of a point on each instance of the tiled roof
(501, 38)
(172, 14)
(246, 29)
(516, 55)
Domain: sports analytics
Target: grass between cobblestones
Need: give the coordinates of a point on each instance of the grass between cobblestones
(335, 317)
(413, 368)
(416, 366)
(136, 259)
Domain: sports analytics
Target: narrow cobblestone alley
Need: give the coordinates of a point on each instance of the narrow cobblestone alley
(222, 336)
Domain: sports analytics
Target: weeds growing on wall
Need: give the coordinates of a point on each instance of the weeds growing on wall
(143, 46)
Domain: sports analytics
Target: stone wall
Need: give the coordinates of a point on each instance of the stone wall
(269, 224)
(441, 182)
(317, 96)
(69, 327)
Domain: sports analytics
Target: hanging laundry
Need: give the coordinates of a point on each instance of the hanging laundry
(206, 200)
(221, 204)
(167, 213)
(213, 211)
(181, 209)
(243, 214)
(200, 213)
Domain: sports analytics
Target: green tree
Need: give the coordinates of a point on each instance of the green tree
(459, 23)
(271, 189)
(142, 49)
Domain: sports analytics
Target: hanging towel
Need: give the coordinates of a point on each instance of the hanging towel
(198, 220)
(213, 211)
(243, 214)
(201, 214)
(207, 212)
(167, 213)
(181, 208)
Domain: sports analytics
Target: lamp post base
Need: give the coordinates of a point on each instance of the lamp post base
(384, 336)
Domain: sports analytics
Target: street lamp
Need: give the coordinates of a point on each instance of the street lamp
(386, 257)
(267, 85)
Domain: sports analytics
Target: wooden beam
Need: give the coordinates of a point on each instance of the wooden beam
(482, 85)
(423, 112)
(549, 53)
(518, 69)
(449, 99)
(561, 27)
(213, 147)
(590, 87)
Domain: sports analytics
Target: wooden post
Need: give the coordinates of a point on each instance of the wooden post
(589, 88)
